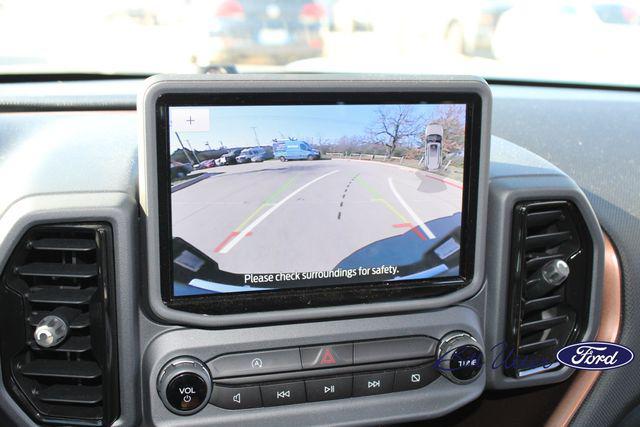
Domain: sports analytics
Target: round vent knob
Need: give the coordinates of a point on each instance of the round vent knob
(51, 331)
(550, 276)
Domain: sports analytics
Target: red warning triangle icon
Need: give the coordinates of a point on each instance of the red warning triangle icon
(327, 358)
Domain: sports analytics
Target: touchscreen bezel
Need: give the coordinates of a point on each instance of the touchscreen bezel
(318, 296)
(376, 300)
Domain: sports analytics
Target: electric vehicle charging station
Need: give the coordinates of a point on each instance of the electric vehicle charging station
(433, 147)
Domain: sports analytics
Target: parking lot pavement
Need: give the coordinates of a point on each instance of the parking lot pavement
(308, 215)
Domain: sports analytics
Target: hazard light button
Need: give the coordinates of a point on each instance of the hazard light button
(327, 356)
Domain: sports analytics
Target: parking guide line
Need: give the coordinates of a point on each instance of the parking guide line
(265, 203)
(236, 236)
(378, 198)
(411, 212)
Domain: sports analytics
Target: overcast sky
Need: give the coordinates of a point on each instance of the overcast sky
(232, 126)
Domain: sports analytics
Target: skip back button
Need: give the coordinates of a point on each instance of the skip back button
(283, 393)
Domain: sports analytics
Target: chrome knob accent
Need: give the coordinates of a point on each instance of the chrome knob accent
(555, 272)
(51, 331)
(549, 276)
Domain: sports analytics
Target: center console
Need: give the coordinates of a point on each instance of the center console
(318, 280)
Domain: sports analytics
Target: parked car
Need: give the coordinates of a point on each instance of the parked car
(293, 149)
(180, 170)
(275, 31)
(208, 164)
(256, 154)
(229, 158)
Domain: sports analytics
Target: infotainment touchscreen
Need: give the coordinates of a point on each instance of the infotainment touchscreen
(288, 196)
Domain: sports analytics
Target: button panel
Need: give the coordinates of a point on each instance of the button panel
(324, 388)
(284, 377)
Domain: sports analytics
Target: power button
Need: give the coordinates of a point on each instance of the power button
(184, 385)
(186, 392)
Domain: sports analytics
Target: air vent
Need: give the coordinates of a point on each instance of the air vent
(60, 277)
(550, 282)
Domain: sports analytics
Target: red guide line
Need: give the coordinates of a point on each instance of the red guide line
(418, 233)
(453, 184)
(225, 241)
(402, 224)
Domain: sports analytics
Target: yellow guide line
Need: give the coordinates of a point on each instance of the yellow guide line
(392, 209)
(267, 202)
(378, 198)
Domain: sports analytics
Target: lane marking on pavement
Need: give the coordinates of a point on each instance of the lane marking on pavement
(411, 212)
(234, 240)
(344, 195)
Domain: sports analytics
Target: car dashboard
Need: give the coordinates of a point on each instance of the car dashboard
(562, 162)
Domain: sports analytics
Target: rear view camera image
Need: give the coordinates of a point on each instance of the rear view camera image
(280, 197)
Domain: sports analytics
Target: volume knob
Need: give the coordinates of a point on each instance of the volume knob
(184, 385)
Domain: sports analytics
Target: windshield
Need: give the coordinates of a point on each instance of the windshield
(580, 41)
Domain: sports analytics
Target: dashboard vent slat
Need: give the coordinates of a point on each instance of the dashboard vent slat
(84, 395)
(46, 269)
(546, 240)
(542, 303)
(63, 270)
(73, 344)
(538, 345)
(75, 369)
(538, 219)
(77, 245)
(81, 320)
(545, 315)
(60, 295)
(541, 325)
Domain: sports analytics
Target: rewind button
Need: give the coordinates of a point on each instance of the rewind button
(283, 393)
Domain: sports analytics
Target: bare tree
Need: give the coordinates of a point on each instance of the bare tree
(394, 126)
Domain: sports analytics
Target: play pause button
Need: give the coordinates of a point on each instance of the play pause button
(328, 388)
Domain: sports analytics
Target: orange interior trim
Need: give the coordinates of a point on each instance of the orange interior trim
(608, 330)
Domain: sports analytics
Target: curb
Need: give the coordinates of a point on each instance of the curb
(192, 181)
